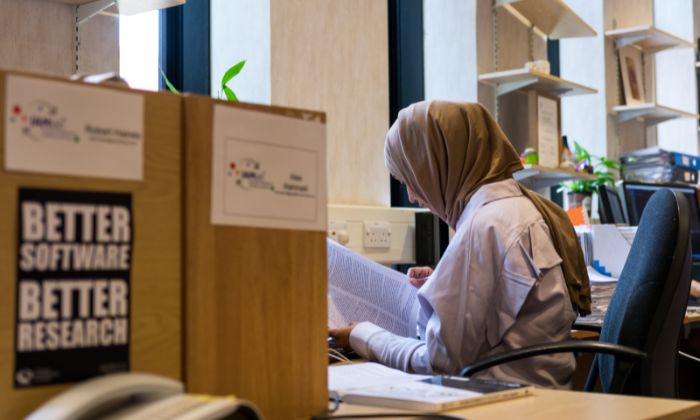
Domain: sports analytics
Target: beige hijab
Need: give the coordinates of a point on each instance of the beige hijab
(446, 151)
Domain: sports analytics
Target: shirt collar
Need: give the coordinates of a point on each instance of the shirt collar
(488, 193)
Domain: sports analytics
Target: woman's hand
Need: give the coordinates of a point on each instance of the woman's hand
(695, 289)
(342, 335)
(417, 276)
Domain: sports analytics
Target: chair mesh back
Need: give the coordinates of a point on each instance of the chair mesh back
(637, 296)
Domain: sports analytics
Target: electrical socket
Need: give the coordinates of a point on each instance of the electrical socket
(376, 235)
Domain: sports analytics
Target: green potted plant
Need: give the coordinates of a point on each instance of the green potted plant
(225, 79)
(604, 170)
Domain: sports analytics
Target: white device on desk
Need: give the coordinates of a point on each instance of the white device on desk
(140, 396)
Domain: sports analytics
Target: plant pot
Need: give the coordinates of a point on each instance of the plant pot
(580, 199)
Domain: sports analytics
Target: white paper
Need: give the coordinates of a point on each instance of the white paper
(547, 132)
(70, 129)
(359, 289)
(268, 170)
(596, 277)
(344, 378)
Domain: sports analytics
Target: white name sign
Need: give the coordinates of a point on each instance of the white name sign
(70, 129)
(268, 170)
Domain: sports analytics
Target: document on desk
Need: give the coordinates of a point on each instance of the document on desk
(360, 289)
(375, 384)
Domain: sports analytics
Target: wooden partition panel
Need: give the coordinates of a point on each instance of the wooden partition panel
(255, 305)
(156, 270)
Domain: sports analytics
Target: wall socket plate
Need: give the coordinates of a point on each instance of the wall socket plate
(376, 235)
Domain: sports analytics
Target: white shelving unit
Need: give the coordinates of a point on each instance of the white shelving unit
(650, 113)
(553, 17)
(649, 39)
(549, 19)
(538, 177)
(90, 8)
(511, 80)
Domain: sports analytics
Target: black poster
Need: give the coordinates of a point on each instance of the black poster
(73, 285)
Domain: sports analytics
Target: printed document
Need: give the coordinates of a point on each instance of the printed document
(360, 289)
(375, 384)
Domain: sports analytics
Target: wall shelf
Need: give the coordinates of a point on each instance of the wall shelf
(649, 38)
(523, 78)
(650, 113)
(553, 17)
(89, 8)
(538, 177)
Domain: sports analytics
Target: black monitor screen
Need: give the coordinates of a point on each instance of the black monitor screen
(611, 207)
(637, 195)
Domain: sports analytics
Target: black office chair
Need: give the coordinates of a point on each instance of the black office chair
(638, 348)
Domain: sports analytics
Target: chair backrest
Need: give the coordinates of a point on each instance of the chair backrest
(647, 308)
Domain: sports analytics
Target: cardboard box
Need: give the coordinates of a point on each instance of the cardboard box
(154, 293)
(526, 126)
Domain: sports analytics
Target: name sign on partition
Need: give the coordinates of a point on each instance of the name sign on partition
(268, 170)
(61, 128)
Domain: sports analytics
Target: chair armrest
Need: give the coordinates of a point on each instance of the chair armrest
(563, 347)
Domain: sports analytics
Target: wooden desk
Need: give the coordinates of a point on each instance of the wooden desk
(549, 404)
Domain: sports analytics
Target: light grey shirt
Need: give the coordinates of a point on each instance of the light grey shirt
(499, 286)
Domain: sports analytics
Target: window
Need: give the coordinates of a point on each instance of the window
(138, 50)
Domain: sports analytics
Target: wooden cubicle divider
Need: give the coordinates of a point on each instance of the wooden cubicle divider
(256, 300)
(156, 270)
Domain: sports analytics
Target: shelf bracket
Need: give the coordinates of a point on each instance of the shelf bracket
(653, 121)
(632, 115)
(629, 40)
(660, 48)
(88, 10)
(503, 88)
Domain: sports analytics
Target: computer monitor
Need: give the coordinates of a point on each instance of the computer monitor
(610, 208)
(638, 193)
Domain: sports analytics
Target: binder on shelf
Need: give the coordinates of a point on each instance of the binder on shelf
(656, 155)
(658, 165)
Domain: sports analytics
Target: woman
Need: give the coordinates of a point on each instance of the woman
(513, 274)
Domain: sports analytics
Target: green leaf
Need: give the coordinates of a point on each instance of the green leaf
(229, 94)
(169, 85)
(231, 73)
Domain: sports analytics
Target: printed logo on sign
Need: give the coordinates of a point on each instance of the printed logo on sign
(249, 175)
(24, 377)
(41, 120)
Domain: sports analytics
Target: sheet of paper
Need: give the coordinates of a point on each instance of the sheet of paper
(268, 170)
(65, 128)
(596, 277)
(548, 132)
(359, 289)
(342, 378)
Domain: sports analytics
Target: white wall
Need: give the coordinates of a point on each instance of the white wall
(582, 60)
(449, 50)
(39, 35)
(676, 84)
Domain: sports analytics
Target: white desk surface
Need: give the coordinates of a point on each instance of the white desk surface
(570, 405)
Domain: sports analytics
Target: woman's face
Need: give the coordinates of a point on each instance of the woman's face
(413, 198)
